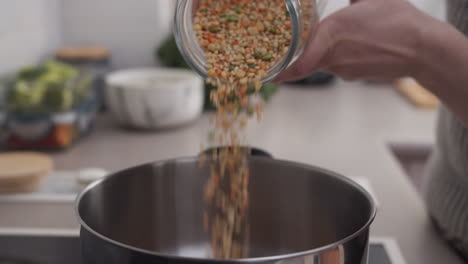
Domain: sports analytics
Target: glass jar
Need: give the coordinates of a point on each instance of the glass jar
(304, 15)
(91, 60)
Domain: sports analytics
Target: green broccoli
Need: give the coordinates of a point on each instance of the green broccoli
(51, 87)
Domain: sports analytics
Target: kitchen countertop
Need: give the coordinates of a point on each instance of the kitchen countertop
(345, 128)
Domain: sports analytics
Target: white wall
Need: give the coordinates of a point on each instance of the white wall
(32, 29)
(29, 29)
(436, 8)
(130, 28)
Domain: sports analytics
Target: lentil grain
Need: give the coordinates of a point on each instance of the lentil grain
(242, 40)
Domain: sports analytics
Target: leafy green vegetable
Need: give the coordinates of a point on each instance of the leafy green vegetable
(168, 54)
(51, 87)
(57, 99)
(29, 73)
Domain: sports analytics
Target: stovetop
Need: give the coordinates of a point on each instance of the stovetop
(25, 248)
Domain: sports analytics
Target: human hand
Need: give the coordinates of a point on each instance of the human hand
(376, 40)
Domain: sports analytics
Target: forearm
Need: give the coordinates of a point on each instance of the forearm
(443, 67)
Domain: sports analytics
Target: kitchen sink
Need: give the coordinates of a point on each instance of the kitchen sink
(413, 158)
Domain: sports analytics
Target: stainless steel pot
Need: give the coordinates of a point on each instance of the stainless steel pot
(152, 214)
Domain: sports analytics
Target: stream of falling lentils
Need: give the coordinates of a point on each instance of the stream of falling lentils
(242, 40)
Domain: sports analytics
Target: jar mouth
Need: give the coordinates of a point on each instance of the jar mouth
(194, 54)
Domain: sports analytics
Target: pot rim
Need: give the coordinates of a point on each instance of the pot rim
(314, 251)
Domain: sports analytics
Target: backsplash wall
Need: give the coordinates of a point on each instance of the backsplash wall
(436, 8)
(131, 29)
(29, 30)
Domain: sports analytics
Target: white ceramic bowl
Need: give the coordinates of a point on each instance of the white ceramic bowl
(154, 98)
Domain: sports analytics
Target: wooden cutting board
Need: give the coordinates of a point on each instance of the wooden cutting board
(416, 94)
(23, 171)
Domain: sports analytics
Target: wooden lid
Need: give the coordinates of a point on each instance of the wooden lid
(27, 186)
(20, 167)
(82, 53)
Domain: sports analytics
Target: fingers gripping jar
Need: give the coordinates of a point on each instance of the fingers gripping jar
(304, 16)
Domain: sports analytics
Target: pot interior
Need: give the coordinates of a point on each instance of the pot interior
(158, 207)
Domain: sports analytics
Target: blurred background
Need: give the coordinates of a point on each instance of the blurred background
(54, 98)
(55, 103)
(31, 30)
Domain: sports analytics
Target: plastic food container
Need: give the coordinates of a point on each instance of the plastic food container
(304, 15)
(93, 60)
(48, 106)
(48, 130)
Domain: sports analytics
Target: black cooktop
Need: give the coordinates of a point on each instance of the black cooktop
(26, 249)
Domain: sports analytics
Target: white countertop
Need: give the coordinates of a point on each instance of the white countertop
(344, 128)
